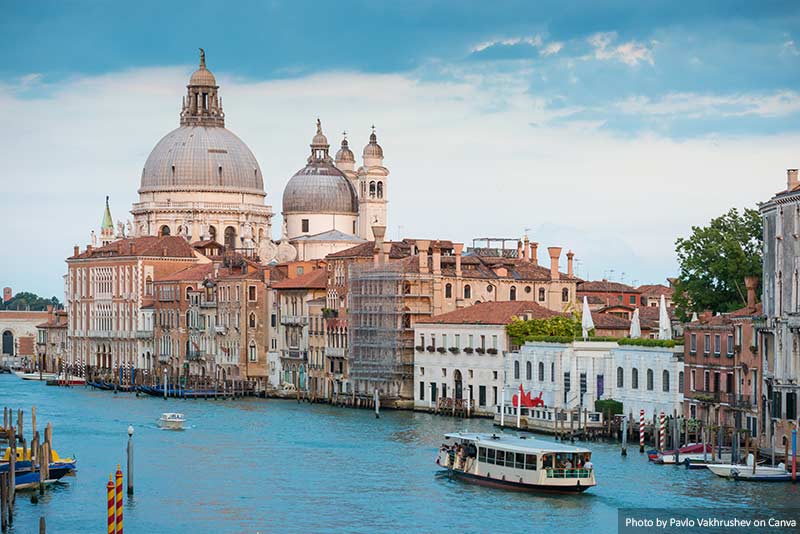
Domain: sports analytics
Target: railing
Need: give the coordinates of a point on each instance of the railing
(208, 304)
(163, 358)
(334, 352)
(294, 319)
(793, 320)
(144, 334)
(195, 354)
(219, 329)
(745, 401)
(569, 473)
(296, 354)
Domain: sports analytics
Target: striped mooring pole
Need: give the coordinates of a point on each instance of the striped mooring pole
(110, 488)
(662, 435)
(118, 506)
(641, 430)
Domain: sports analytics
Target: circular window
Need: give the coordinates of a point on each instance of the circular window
(489, 288)
(527, 289)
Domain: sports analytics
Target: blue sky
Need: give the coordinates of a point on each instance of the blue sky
(609, 129)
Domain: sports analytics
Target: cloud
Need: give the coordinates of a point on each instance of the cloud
(463, 156)
(631, 53)
(551, 48)
(790, 47)
(534, 40)
(697, 106)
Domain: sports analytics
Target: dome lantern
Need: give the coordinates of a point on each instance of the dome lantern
(345, 159)
(373, 153)
(202, 105)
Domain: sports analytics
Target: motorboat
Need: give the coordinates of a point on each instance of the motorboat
(36, 376)
(518, 463)
(171, 421)
(754, 473)
(688, 449)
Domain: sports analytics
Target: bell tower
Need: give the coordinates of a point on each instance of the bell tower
(372, 189)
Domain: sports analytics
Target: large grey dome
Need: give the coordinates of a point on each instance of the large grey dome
(202, 158)
(319, 187)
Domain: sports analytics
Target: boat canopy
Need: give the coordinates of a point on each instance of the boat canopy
(516, 444)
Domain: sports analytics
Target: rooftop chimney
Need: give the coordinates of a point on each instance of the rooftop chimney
(526, 249)
(555, 253)
(422, 246)
(89, 248)
(791, 179)
(377, 252)
(535, 253)
(437, 259)
(751, 283)
(570, 272)
(521, 252)
(458, 248)
(76, 250)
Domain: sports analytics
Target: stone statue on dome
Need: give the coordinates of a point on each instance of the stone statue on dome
(120, 230)
(93, 239)
(129, 228)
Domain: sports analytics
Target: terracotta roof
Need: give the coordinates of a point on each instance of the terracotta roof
(594, 299)
(195, 273)
(58, 320)
(609, 321)
(656, 290)
(16, 314)
(499, 313)
(158, 246)
(316, 279)
(607, 287)
(748, 311)
(365, 250)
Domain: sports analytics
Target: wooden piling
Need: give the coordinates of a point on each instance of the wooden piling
(42, 526)
(33, 420)
(3, 501)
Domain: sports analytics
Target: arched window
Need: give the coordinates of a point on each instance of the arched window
(448, 291)
(512, 294)
(380, 189)
(649, 380)
(252, 320)
(541, 294)
(212, 233)
(635, 379)
(372, 190)
(467, 292)
(541, 371)
(252, 352)
(189, 290)
(565, 295)
(230, 237)
(528, 371)
(620, 377)
(164, 230)
(680, 382)
(665, 381)
(148, 286)
(516, 370)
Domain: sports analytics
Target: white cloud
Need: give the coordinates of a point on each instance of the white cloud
(695, 106)
(790, 47)
(551, 48)
(631, 53)
(464, 160)
(534, 40)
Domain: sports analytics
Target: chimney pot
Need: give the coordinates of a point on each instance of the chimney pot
(791, 179)
(534, 253)
(751, 283)
(570, 272)
(458, 248)
(76, 250)
(422, 247)
(555, 253)
(377, 252)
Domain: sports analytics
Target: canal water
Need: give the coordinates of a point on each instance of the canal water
(279, 466)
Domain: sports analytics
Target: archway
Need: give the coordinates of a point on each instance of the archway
(8, 342)
(230, 237)
(459, 388)
(301, 382)
(164, 230)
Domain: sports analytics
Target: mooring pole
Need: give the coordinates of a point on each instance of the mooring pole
(165, 383)
(624, 436)
(130, 460)
(377, 404)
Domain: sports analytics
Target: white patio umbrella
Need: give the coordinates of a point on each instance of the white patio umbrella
(586, 320)
(636, 326)
(664, 325)
(694, 318)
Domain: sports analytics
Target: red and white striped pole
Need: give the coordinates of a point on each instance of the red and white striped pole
(662, 435)
(110, 489)
(641, 430)
(118, 504)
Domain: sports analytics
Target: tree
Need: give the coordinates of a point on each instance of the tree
(29, 301)
(560, 326)
(714, 261)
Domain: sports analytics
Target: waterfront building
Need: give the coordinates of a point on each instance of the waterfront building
(51, 340)
(615, 320)
(602, 293)
(780, 340)
(651, 294)
(575, 375)
(19, 335)
(462, 351)
(107, 291)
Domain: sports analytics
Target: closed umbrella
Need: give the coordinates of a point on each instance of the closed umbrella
(636, 326)
(586, 321)
(664, 325)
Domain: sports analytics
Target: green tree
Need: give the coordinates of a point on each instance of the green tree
(714, 261)
(29, 301)
(560, 326)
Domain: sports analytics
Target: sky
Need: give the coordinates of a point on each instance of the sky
(606, 129)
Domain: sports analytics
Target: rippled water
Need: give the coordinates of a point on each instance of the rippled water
(278, 466)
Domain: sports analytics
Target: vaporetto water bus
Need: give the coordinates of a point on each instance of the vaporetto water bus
(519, 463)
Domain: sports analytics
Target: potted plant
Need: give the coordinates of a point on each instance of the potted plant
(454, 350)
(468, 350)
(420, 348)
(480, 350)
(492, 351)
(430, 348)
(441, 350)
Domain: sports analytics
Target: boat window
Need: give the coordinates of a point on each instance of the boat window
(530, 462)
(500, 457)
(520, 460)
(482, 454)
(490, 456)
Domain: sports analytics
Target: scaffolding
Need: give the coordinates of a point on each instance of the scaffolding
(380, 350)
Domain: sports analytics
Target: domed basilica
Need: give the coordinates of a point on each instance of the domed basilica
(202, 182)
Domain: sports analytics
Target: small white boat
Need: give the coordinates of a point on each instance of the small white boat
(746, 472)
(36, 376)
(171, 421)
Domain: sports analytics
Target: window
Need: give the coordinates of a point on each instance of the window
(458, 341)
(481, 395)
(448, 291)
(512, 295)
(693, 383)
(635, 378)
(273, 320)
(422, 391)
(528, 371)
(541, 371)
(467, 292)
(716, 344)
(707, 344)
(707, 381)
(380, 189)
(649, 380)
(633, 299)
(680, 382)
(164, 230)
(252, 352)
(730, 345)
(251, 293)
(665, 381)
(494, 342)
(552, 372)
(304, 225)
(693, 343)
(565, 295)
(620, 377)
(516, 370)
(252, 321)
(541, 294)
(567, 385)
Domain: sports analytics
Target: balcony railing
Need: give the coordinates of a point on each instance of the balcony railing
(295, 354)
(208, 304)
(163, 358)
(144, 334)
(569, 473)
(195, 354)
(220, 329)
(300, 320)
(793, 320)
(334, 352)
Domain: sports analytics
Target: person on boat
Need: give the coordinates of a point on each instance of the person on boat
(588, 463)
(567, 464)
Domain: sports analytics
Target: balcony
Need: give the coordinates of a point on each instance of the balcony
(793, 320)
(745, 402)
(220, 329)
(194, 355)
(143, 334)
(163, 358)
(208, 304)
(99, 333)
(334, 352)
(294, 320)
(295, 354)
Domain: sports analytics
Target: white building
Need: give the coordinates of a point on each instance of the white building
(459, 354)
(570, 375)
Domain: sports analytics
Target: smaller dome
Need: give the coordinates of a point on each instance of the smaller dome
(373, 149)
(319, 139)
(344, 153)
(202, 76)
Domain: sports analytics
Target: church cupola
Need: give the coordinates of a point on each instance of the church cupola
(345, 159)
(202, 105)
(320, 147)
(107, 228)
(373, 153)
